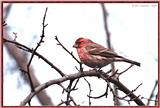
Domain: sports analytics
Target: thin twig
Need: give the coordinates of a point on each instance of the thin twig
(132, 91)
(33, 51)
(121, 87)
(104, 94)
(71, 98)
(15, 36)
(68, 92)
(74, 87)
(25, 48)
(125, 70)
(64, 102)
(22, 61)
(90, 90)
(156, 102)
(80, 75)
(149, 99)
(70, 53)
(152, 93)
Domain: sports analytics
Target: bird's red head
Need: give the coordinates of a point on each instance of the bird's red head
(80, 42)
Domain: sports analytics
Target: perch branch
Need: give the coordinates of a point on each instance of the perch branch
(79, 75)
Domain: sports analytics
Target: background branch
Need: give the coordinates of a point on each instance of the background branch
(21, 61)
(108, 41)
(33, 51)
(152, 93)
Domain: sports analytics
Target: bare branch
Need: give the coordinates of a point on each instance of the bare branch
(21, 61)
(152, 93)
(33, 51)
(64, 102)
(90, 90)
(104, 94)
(79, 75)
(69, 89)
(125, 70)
(71, 98)
(70, 53)
(155, 100)
(25, 48)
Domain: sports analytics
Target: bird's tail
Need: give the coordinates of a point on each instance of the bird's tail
(132, 62)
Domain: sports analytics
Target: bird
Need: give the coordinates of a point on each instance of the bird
(95, 55)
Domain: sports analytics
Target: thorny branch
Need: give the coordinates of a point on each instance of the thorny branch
(25, 48)
(80, 75)
(59, 43)
(69, 89)
(71, 98)
(71, 81)
(70, 53)
(117, 74)
(132, 91)
(72, 77)
(22, 60)
(106, 77)
(115, 96)
(74, 87)
(125, 70)
(64, 102)
(33, 53)
(104, 94)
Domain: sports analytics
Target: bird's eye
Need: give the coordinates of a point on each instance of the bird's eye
(79, 42)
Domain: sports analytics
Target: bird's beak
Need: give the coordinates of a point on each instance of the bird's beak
(75, 46)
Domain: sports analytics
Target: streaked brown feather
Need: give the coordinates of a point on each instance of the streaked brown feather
(96, 49)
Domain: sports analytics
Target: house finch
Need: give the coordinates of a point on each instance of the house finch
(97, 56)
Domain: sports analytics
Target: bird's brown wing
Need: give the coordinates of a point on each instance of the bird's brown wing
(96, 49)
